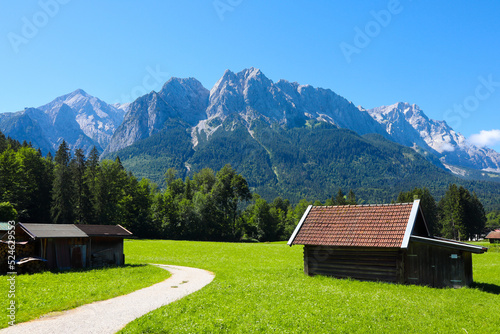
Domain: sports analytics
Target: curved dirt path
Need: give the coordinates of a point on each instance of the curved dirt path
(109, 316)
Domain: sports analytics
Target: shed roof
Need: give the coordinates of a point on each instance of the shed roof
(357, 225)
(450, 244)
(52, 230)
(385, 225)
(105, 231)
(493, 235)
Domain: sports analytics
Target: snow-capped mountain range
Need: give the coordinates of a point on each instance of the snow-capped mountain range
(84, 121)
(79, 118)
(408, 125)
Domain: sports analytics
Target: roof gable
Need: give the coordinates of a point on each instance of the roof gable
(388, 225)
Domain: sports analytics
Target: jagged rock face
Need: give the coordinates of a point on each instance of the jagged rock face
(182, 99)
(251, 94)
(408, 125)
(145, 117)
(97, 119)
(187, 97)
(21, 126)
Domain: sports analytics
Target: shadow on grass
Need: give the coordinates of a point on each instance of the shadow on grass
(74, 270)
(487, 287)
(80, 270)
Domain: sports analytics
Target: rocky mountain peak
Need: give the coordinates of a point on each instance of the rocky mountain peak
(409, 125)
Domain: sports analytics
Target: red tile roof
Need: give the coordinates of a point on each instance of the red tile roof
(493, 235)
(355, 225)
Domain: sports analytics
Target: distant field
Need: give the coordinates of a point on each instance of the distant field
(47, 292)
(262, 288)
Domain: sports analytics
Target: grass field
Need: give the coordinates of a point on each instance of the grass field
(40, 294)
(262, 288)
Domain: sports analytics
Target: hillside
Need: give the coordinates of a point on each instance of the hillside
(311, 162)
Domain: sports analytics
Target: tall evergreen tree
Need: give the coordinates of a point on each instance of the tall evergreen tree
(340, 198)
(461, 214)
(450, 213)
(82, 200)
(63, 189)
(351, 198)
(38, 179)
(90, 190)
(3, 143)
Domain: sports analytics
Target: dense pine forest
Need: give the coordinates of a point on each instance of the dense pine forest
(74, 188)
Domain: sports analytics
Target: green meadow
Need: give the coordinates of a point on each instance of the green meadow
(47, 292)
(262, 288)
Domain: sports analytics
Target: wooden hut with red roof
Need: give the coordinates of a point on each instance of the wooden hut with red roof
(494, 237)
(389, 242)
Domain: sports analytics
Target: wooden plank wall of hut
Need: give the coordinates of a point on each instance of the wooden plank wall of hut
(362, 263)
(437, 266)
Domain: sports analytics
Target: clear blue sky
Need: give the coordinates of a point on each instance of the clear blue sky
(443, 56)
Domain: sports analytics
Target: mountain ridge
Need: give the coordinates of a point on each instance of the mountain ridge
(408, 125)
(84, 120)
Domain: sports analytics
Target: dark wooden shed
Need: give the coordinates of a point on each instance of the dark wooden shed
(106, 244)
(388, 242)
(494, 237)
(63, 245)
(66, 246)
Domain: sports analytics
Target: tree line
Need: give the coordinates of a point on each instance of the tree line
(212, 205)
(458, 215)
(69, 189)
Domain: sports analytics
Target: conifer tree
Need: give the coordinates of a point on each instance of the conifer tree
(83, 205)
(89, 187)
(63, 189)
(38, 181)
(340, 198)
(461, 214)
(3, 143)
(351, 198)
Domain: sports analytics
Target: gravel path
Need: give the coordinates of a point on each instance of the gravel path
(109, 316)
